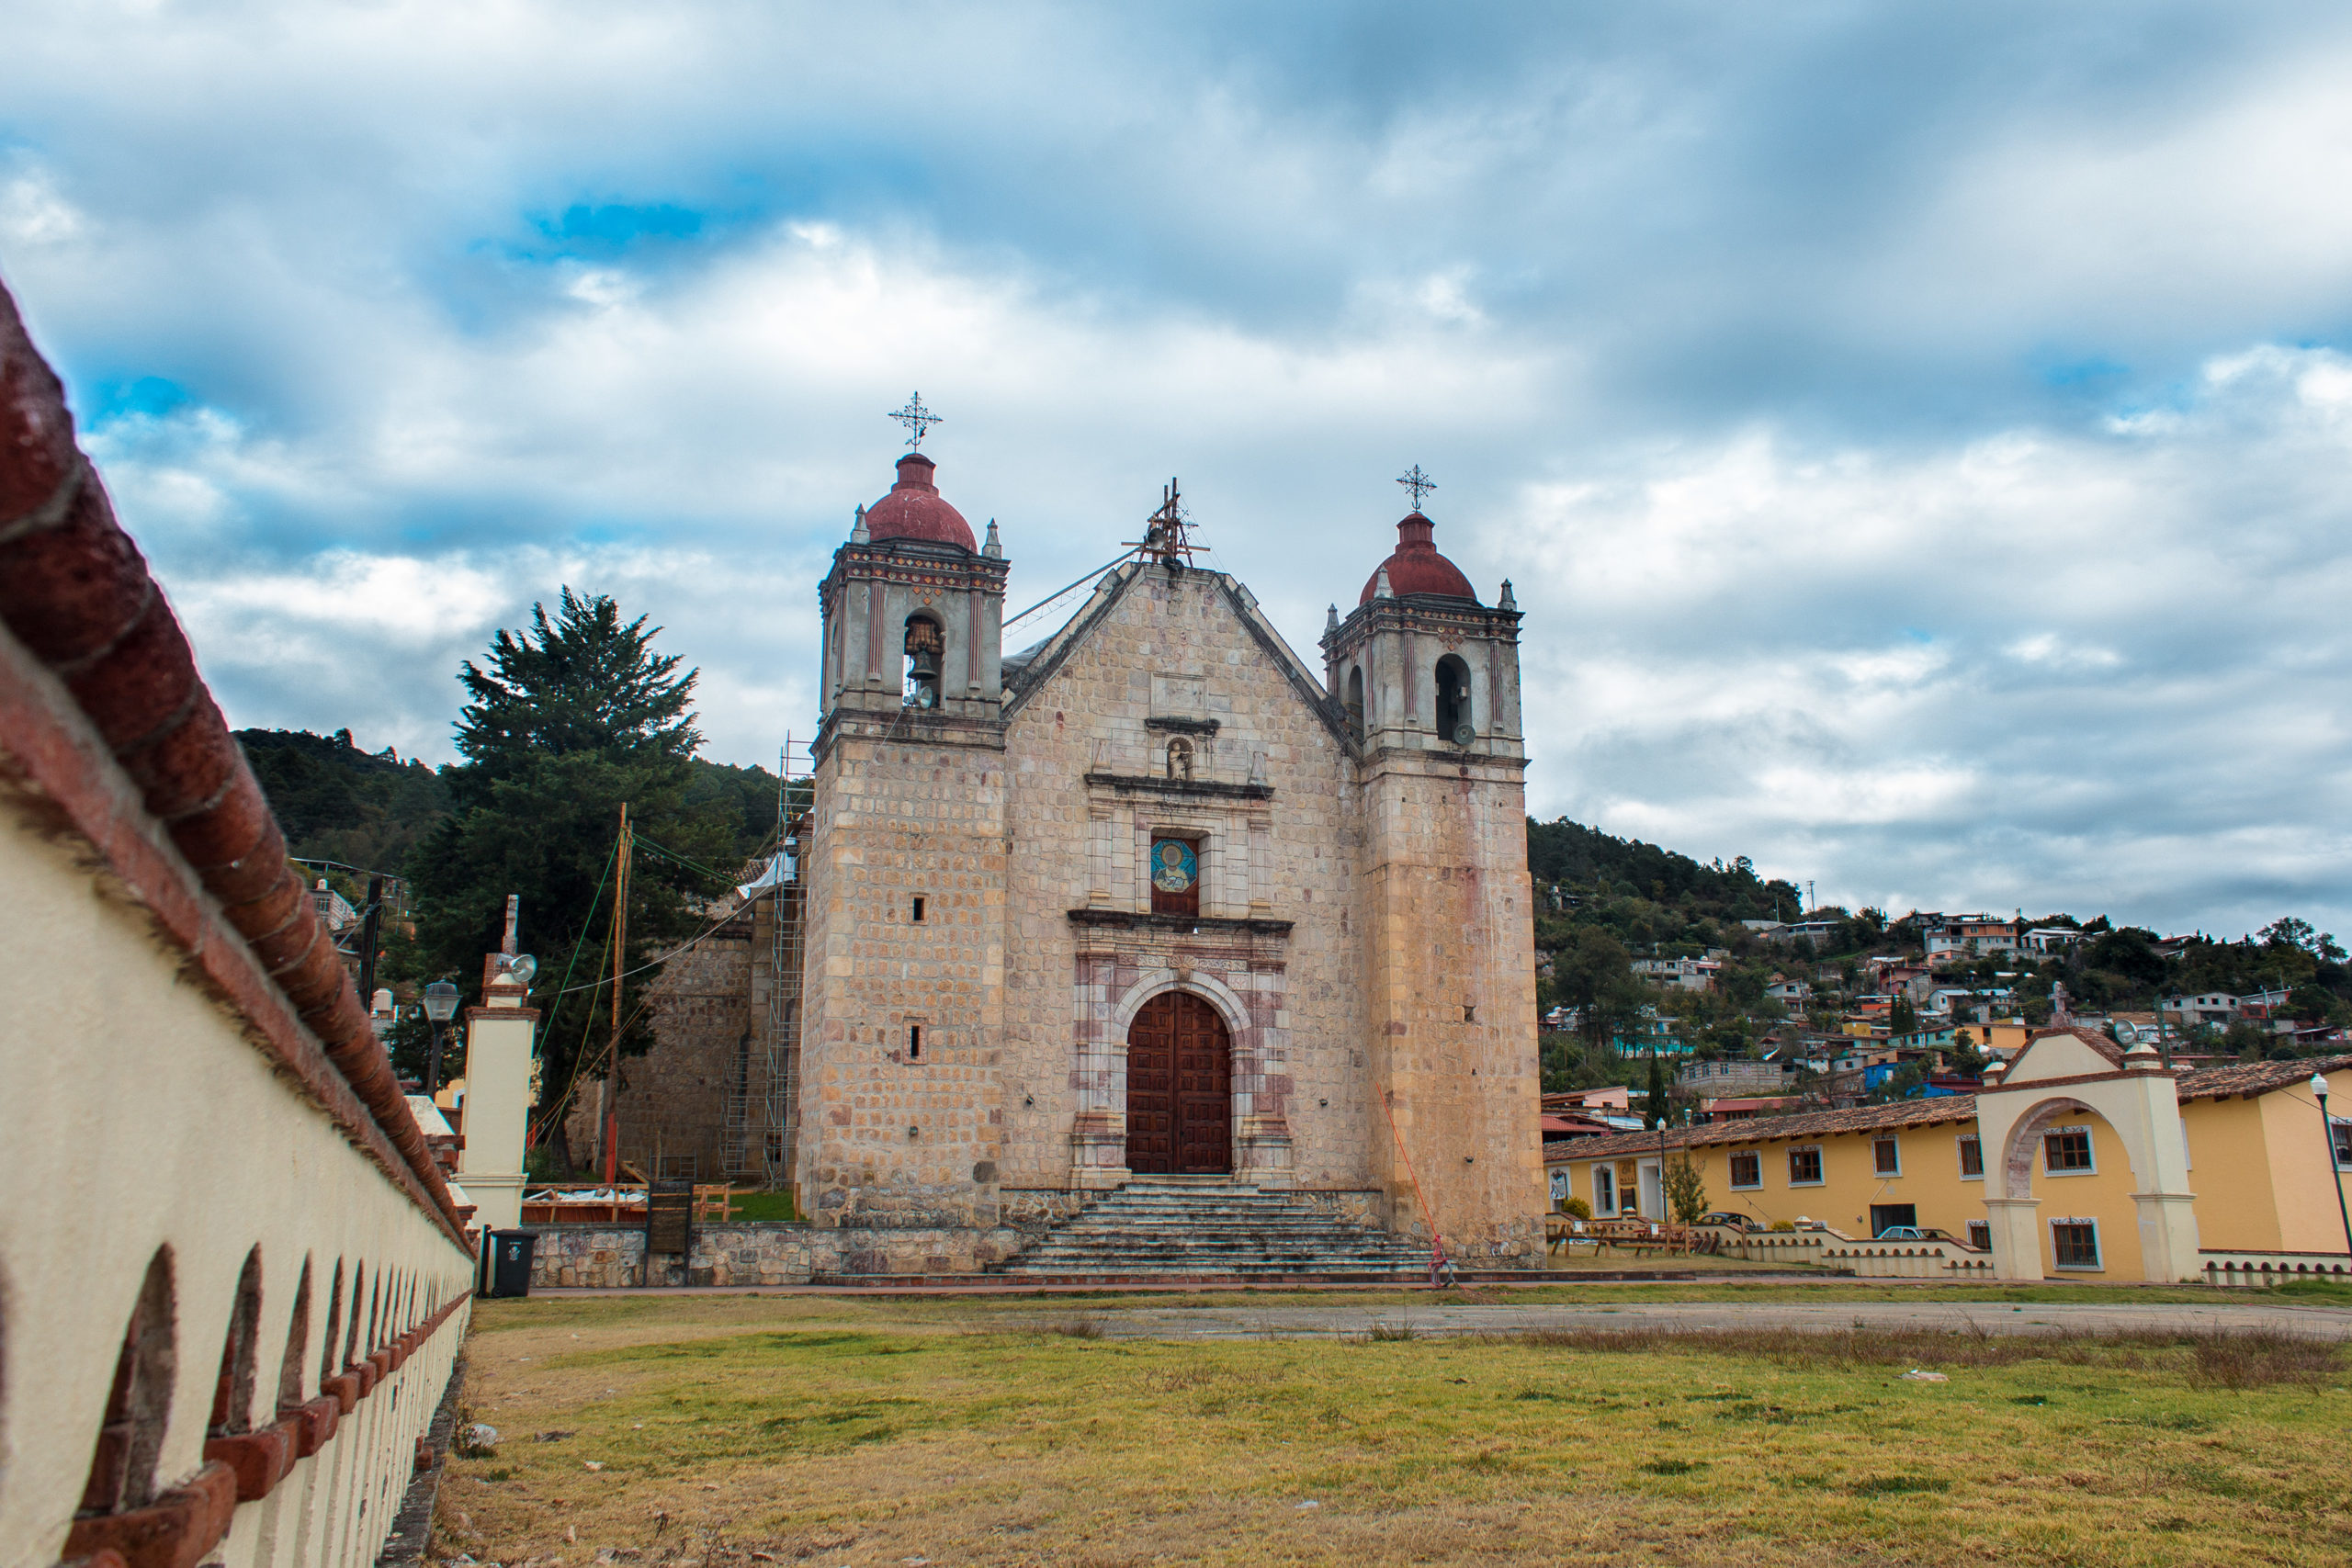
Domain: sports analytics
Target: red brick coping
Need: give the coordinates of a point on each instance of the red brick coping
(117, 733)
(180, 1528)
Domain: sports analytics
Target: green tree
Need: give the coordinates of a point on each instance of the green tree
(1592, 973)
(565, 723)
(1686, 1190)
(1654, 1111)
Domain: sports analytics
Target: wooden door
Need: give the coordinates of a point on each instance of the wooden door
(1180, 1089)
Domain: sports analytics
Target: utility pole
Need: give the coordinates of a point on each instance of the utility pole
(612, 1095)
(368, 929)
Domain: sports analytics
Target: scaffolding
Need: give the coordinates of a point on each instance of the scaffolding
(763, 1112)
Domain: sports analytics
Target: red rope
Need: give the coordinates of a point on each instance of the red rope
(1437, 1241)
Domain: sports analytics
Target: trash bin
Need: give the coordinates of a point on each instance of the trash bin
(510, 1262)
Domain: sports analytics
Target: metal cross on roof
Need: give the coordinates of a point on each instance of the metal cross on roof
(1420, 483)
(916, 418)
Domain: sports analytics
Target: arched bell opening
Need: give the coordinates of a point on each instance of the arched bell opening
(1455, 725)
(926, 647)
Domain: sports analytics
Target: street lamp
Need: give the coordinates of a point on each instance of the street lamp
(440, 1006)
(2327, 1130)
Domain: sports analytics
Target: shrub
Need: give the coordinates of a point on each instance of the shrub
(1576, 1209)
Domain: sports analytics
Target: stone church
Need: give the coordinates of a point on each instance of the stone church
(1154, 897)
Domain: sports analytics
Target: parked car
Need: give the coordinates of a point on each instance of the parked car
(1914, 1233)
(1740, 1223)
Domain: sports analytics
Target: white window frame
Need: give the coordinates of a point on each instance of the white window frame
(1731, 1167)
(2090, 1142)
(2098, 1248)
(1960, 1159)
(1896, 1144)
(1985, 1226)
(1565, 1183)
(1604, 1176)
(2340, 1126)
(1819, 1159)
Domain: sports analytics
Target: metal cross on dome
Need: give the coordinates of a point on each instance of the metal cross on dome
(916, 418)
(1420, 483)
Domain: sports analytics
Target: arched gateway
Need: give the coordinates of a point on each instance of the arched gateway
(1180, 1089)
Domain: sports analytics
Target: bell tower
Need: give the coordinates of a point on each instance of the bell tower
(1428, 678)
(902, 988)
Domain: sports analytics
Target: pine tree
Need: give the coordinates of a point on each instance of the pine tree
(565, 722)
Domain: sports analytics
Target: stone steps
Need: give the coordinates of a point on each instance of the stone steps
(1162, 1228)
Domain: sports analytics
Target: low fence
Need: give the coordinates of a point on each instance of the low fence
(1909, 1261)
(2260, 1269)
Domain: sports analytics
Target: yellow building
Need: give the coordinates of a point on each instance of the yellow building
(2080, 1159)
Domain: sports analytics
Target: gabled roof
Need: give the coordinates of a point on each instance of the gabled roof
(2106, 1050)
(1027, 673)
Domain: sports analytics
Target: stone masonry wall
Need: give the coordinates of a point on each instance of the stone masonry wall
(1453, 972)
(607, 1258)
(1279, 839)
(890, 1134)
(673, 1098)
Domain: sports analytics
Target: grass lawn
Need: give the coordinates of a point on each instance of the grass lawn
(738, 1430)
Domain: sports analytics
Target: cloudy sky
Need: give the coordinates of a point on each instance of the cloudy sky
(1920, 436)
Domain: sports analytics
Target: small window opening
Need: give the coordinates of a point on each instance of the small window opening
(917, 914)
(1980, 1234)
(139, 1403)
(334, 1322)
(1972, 1157)
(2074, 1243)
(1885, 1157)
(914, 1043)
(298, 1334)
(1355, 702)
(2066, 1149)
(1180, 760)
(232, 1394)
(925, 646)
(1469, 1012)
(1454, 701)
(351, 1330)
(1748, 1169)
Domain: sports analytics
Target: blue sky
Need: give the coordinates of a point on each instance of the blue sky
(1919, 436)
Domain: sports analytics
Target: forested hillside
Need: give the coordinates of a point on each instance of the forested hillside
(371, 809)
(339, 803)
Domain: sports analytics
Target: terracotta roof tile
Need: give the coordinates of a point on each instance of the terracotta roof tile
(2256, 1078)
(1805, 1125)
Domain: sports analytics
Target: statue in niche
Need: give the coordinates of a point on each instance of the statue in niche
(1180, 760)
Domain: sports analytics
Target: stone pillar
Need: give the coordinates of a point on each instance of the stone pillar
(2168, 1240)
(1098, 1131)
(498, 1098)
(2016, 1237)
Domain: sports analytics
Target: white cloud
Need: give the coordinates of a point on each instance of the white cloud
(1918, 442)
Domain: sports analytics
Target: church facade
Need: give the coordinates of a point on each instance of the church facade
(1157, 897)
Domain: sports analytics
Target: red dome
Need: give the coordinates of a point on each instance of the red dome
(914, 509)
(1416, 568)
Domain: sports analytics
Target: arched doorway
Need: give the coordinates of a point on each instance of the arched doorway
(1180, 1089)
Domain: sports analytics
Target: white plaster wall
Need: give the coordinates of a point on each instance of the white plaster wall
(139, 1117)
